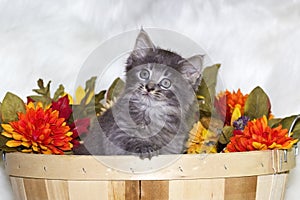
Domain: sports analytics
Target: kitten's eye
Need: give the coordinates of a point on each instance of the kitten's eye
(144, 74)
(165, 83)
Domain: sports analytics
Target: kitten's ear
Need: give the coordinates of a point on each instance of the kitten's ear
(191, 69)
(143, 44)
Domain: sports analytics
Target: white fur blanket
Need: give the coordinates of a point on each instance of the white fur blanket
(257, 42)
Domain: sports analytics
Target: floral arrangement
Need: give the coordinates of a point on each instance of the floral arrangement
(46, 124)
(235, 122)
(229, 121)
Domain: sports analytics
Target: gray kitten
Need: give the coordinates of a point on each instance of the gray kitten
(156, 110)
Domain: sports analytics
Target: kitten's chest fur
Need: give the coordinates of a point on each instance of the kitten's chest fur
(145, 116)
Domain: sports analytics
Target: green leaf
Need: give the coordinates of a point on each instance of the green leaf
(45, 91)
(227, 133)
(90, 84)
(100, 96)
(40, 83)
(3, 146)
(274, 122)
(204, 102)
(90, 102)
(59, 92)
(207, 88)
(43, 99)
(78, 111)
(257, 104)
(115, 89)
(89, 89)
(11, 105)
(287, 122)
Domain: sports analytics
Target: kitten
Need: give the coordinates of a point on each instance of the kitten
(156, 110)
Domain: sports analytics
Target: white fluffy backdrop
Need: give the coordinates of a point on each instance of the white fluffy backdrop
(257, 43)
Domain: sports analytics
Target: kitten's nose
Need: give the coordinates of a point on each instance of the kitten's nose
(150, 86)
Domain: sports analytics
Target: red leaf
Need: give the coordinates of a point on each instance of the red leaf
(63, 107)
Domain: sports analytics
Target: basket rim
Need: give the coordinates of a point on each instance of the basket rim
(187, 166)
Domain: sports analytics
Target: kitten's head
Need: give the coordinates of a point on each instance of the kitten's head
(156, 72)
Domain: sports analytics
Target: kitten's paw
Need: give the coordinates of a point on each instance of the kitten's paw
(146, 151)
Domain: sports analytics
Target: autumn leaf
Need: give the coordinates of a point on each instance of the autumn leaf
(287, 123)
(11, 105)
(207, 89)
(45, 91)
(227, 133)
(257, 104)
(44, 95)
(59, 92)
(88, 93)
(115, 89)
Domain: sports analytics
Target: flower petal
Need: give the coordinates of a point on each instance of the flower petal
(236, 114)
(7, 128)
(13, 143)
(6, 134)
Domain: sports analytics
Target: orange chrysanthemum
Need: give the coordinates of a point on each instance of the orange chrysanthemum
(257, 135)
(226, 102)
(39, 130)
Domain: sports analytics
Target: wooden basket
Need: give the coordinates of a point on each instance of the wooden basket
(243, 176)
